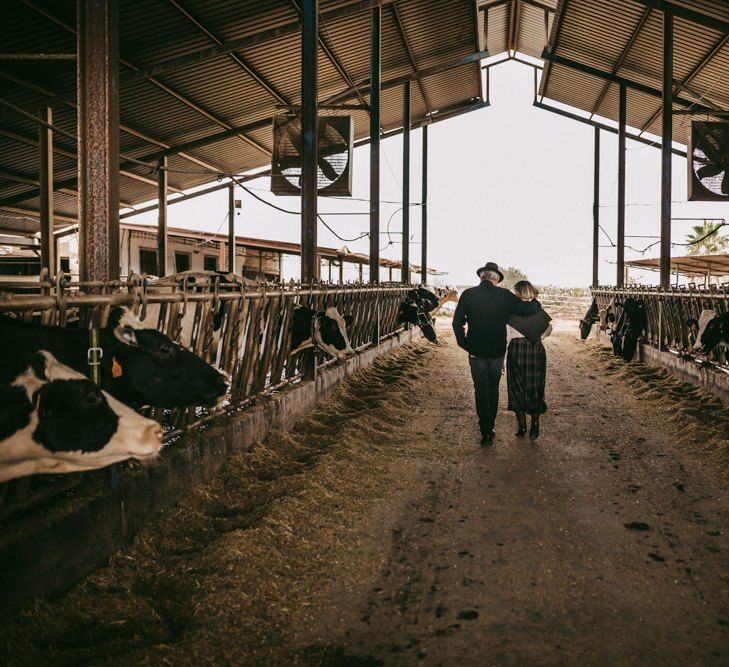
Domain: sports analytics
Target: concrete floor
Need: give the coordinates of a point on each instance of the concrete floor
(401, 541)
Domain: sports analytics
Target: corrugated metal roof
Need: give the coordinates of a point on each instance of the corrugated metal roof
(520, 26)
(213, 94)
(624, 38)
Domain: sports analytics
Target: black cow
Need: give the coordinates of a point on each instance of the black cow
(714, 332)
(416, 308)
(140, 366)
(54, 420)
(591, 316)
(629, 328)
(326, 330)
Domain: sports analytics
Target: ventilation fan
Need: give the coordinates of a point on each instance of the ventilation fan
(709, 161)
(334, 166)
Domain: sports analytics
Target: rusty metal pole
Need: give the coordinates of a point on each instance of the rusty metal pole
(97, 78)
(405, 274)
(231, 228)
(45, 158)
(620, 277)
(596, 213)
(309, 41)
(424, 211)
(375, 75)
(162, 217)
(667, 144)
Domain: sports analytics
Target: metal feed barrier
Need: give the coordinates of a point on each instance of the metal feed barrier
(244, 330)
(668, 313)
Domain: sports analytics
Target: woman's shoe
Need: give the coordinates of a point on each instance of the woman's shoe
(520, 424)
(534, 431)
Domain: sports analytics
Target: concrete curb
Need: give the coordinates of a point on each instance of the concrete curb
(45, 555)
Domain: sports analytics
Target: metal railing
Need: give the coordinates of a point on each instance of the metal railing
(668, 313)
(242, 329)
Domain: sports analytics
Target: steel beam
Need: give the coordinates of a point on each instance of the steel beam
(309, 140)
(98, 138)
(692, 75)
(45, 177)
(398, 81)
(231, 228)
(375, 74)
(605, 128)
(554, 39)
(627, 83)
(666, 156)
(621, 59)
(596, 213)
(405, 271)
(424, 210)
(683, 12)
(411, 55)
(623, 114)
(162, 246)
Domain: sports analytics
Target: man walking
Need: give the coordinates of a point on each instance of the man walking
(485, 309)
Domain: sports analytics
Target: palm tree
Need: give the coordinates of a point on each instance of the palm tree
(704, 242)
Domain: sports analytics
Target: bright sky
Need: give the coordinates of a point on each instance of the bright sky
(511, 184)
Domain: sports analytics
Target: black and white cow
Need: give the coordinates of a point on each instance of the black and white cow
(591, 316)
(54, 420)
(629, 328)
(713, 329)
(416, 309)
(326, 330)
(606, 316)
(140, 366)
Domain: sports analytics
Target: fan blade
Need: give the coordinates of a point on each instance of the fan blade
(725, 183)
(328, 170)
(709, 170)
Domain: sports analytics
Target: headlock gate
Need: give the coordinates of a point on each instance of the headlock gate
(243, 329)
(669, 314)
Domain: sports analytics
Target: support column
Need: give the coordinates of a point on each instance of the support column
(341, 271)
(375, 72)
(45, 178)
(162, 249)
(667, 143)
(97, 78)
(309, 131)
(620, 282)
(596, 213)
(231, 228)
(424, 210)
(405, 275)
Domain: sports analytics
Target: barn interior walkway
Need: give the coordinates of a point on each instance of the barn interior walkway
(379, 532)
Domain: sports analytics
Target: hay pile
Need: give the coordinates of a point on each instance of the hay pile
(702, 418)
(217, 578)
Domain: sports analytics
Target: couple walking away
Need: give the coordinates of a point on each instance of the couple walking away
(494, 316)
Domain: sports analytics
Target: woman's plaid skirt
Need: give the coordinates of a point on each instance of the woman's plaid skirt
(526, 376)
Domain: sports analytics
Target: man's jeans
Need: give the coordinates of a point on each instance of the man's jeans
(486, 374)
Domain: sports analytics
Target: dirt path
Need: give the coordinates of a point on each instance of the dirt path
(381, 533)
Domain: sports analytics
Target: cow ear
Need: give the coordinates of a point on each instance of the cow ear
(348, 319)
(126, 336)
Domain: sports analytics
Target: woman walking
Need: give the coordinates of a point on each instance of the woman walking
(526, 364)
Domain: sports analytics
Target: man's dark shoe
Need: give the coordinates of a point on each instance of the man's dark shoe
(488, 439)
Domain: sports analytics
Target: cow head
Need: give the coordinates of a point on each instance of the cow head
(715, 330)
(591, 316)
(145, 367)
(330, 333)
(53, 419)
(415, 309)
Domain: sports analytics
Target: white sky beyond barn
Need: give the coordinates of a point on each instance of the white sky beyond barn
(510, 183)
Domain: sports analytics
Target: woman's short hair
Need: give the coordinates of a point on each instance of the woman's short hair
(525, 290)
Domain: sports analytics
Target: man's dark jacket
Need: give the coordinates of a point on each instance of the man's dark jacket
(485, 309)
